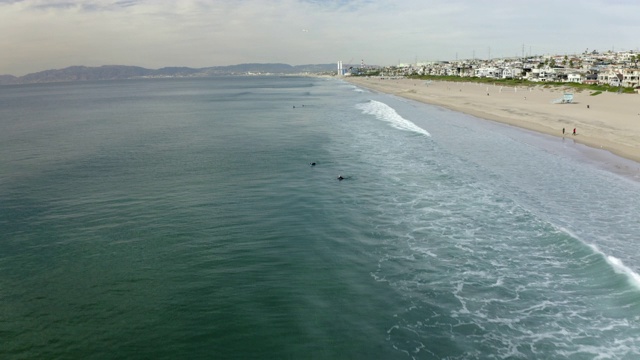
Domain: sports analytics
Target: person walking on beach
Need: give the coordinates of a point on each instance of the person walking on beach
(562, 131)
(574, 131)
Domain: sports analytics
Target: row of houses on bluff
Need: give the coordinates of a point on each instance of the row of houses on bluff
(614, 69)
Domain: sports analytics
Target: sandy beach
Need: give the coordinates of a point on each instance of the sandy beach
(608, 121)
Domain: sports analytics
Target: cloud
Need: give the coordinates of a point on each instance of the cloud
(198, 33)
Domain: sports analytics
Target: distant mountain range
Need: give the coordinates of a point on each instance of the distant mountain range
(117, 72)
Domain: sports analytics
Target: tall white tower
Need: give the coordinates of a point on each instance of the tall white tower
(340, 73)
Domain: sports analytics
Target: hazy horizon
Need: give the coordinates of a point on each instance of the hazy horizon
(159, 68)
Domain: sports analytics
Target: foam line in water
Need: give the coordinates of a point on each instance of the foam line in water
(386, 113)
(617, 264)
(619, 267)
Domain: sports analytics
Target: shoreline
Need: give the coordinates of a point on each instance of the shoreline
(606, 121)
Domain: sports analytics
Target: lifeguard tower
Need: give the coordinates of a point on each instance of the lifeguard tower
(566, 99)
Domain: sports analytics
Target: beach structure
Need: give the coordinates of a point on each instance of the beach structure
(567, 98)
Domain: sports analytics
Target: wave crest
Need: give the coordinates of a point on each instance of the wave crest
(386, 113)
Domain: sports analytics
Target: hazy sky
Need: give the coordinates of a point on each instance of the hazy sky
(47, 34)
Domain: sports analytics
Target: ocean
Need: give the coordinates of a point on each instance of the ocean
(181, 219)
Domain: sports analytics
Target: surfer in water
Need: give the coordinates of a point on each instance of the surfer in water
(312, 164)
(340, 178)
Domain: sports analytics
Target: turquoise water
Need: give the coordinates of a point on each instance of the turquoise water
(180, 219)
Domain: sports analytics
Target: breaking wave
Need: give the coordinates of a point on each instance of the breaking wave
(386, 113)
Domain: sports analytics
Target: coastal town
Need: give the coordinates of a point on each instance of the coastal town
(615, 69)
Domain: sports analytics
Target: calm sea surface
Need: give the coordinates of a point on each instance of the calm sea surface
(180, 219)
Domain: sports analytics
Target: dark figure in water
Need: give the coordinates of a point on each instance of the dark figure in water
(340, 178)
(312, 164)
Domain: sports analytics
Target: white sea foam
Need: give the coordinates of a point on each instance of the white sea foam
(386, 113)
(617, 264)
(619, 267)
(354, 88)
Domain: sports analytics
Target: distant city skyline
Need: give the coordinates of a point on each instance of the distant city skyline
(50, 34)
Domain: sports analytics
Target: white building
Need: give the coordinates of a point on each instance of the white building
(574, 78)
(630, 77)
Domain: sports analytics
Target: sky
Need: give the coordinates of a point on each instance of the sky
(52, 34)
